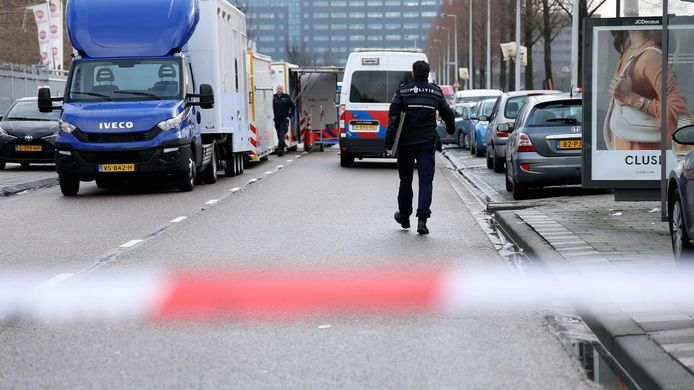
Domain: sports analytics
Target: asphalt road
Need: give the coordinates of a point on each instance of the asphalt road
(311, 213)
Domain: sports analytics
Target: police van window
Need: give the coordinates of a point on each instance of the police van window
(376, 86)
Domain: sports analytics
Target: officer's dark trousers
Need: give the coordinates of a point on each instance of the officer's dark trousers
(281, 126)
(424, 155)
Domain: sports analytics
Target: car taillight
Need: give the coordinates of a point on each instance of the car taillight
(524, 144)
(502, 134)
(525, 167)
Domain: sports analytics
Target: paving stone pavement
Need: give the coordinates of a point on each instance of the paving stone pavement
(595, 233)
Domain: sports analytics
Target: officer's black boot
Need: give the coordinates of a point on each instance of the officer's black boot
(422, 226)
(403, 221)
(280, 153)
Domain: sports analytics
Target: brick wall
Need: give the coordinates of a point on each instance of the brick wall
(18, 42)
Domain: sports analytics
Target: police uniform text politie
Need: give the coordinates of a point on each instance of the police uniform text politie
(420, 100)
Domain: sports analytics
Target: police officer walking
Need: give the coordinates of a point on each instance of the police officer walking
(282, 108)
(419, 100)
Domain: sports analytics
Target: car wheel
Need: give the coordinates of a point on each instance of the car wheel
(187, 181)
(479, 152)
(69, 186)
(509, 184)
(490, 160)
(520, 190)
(498, 164)
(473, 146)
(346, 160)
(681, 247)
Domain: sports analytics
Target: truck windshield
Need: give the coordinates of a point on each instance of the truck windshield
(123, 79)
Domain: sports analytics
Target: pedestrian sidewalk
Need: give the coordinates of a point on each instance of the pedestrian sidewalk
(594, 233)
(15, 179)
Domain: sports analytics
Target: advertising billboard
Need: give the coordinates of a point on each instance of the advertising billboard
(623, 95)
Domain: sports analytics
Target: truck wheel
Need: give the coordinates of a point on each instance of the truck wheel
(187, 181)
(231, 170)
(69, 186)
(346, 160)
(241, 162)
(210, 175)
(322, 147)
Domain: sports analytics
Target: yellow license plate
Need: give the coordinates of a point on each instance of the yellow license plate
(29, 148)
(116, 167)
(570, 144)
(365, 126)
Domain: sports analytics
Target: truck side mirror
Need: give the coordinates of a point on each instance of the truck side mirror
(45, 101)
(206, 96)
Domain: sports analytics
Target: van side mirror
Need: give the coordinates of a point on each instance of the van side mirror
(206, 97)
(45, 102)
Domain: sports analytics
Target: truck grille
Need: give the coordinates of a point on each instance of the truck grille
(116, 157)
(116, 137)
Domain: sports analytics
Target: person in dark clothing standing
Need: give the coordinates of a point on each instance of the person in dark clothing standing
(283, 109)
(419, 100)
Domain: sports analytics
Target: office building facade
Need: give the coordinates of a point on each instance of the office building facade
(323, 32)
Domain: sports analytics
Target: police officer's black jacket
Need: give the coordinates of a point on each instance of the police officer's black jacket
(419, 100)
(282, 106)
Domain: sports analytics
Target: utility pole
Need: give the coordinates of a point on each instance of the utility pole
(455, 42)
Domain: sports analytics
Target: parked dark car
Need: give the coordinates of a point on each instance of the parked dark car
(680, 190)
(544, 147)
(27, 135)
(505, 110)
(463, 126)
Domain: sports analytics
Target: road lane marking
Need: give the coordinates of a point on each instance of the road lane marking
(268, 172)
(252, 181)
(177, 219)
(289, 161)
(235, 189)
(130, 244)
(212, 201)
(56, 279)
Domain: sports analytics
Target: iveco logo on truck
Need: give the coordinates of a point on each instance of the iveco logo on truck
(115, 125)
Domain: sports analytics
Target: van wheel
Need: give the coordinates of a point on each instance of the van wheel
(103, 183)
(346, 160)
(187, 181)
(2, 164)
(69, 186)
(210, 175)
(25, 165)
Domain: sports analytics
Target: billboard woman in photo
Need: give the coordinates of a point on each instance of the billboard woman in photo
(633, 117)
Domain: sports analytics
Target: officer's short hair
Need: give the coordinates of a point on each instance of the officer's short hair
(420, 69)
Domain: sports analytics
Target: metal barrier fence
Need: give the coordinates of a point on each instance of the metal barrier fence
(18, 81)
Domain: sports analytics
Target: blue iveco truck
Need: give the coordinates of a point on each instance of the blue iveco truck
(140, 97)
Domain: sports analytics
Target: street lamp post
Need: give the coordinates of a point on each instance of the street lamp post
(470, 71)
(489, 45)
(455, 41)
(440, 78)
(448, 51)
(518, 62)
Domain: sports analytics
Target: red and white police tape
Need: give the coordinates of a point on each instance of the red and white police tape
(295, 293)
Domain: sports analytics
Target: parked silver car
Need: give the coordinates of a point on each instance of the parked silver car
(505, 111)
(544, 148)
(680, 197)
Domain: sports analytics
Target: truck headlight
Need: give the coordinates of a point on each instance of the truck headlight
(172, 123)
(66, 127)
